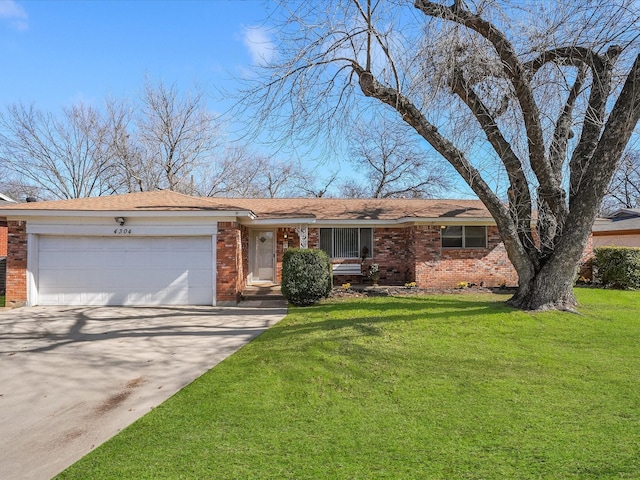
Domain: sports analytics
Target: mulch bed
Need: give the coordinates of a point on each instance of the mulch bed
(394, 291)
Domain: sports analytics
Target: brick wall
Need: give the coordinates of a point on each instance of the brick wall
(3, 254)
(585, 267)
(313, 238)
(415, 254)
(3, 239)
(16, 294)
(292, 240)
(244, 272)
(392, 254)
(436, 267)
(231, 263)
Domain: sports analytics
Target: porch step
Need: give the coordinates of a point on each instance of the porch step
(262, 292)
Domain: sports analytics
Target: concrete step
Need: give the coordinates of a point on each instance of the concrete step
(262, 292)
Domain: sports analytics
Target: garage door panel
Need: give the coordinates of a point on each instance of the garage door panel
(125, 271)
(199, 278)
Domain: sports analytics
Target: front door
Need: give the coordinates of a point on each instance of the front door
(263, 256)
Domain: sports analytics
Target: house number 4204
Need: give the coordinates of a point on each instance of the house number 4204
(122, 231)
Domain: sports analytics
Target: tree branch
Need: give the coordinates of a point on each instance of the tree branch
(516, 73)
(371, 87)
(562, 133)
(594, 118)
(519, 189)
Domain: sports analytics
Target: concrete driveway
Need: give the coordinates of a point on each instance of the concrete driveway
(72, 377)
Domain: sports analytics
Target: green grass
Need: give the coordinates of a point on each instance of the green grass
(443, 387)
(1, 300)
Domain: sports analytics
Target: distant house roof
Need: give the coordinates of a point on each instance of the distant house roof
(6, 199)
(623, 220)
(625, 213)
(265, 209)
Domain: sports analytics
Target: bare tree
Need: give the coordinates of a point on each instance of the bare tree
(132, 170)
(278, 178)
(63, 156)
(176, 137)
(164, 140)
(10, 185)
(228, 174)
(350, 188)
(624, 189)
(242, 173)
(392, 164)
(318, 187)
(543, 95)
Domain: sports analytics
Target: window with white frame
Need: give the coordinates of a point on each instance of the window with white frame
(347, 242)
(461, 236)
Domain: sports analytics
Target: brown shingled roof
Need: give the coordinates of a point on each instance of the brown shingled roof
(360, 208)
(160, 200)
(271, 208)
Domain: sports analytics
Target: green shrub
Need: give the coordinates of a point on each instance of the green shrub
(306, 276)
(618, 267)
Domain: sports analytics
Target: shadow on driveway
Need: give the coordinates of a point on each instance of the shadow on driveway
(72, 377)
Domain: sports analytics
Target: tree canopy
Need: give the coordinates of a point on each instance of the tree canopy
(532, 103)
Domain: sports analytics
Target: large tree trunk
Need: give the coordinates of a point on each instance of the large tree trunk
(550, 289)
(549, 285)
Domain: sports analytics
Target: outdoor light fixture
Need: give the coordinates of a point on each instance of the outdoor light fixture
(286, 236)
(119, 220)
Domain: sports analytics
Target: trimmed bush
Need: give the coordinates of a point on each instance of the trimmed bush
(618, 267)
(306, 276)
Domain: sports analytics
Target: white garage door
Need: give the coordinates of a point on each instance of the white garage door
(125, 271)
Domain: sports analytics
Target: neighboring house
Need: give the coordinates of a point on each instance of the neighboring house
(622, 229)
(4, 200)
(161, 247)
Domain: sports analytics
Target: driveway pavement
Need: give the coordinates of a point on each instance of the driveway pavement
(72, 377)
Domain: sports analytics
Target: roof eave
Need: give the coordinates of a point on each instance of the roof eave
(254, 221)
(471, 221)
(26, 214)
(371, 222)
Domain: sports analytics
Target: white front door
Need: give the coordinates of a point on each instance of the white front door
(263, 269)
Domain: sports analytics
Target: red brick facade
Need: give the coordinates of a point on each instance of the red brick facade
(438, 267)
(4, 231)
(232, 261)
(415, 254)
(16, 294)
(404, 254)
(291, 240)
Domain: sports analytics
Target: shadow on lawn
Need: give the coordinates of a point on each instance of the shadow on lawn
(364, 315)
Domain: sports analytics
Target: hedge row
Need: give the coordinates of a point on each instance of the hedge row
(618, 267)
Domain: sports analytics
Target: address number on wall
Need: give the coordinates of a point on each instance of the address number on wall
(122, 231)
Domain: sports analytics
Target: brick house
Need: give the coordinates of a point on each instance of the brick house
(156, 248)
(4, 200)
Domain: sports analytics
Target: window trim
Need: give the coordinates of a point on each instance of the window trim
(464, 238)
(360, 243)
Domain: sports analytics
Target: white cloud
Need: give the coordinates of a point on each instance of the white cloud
(14, 13)
(261, 47)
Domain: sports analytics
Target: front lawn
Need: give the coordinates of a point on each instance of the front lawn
(446, 387)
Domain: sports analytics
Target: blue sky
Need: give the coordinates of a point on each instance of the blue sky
(55, 53)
